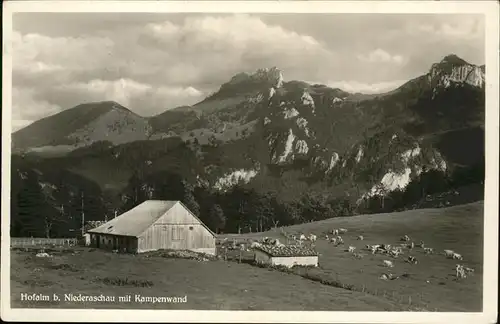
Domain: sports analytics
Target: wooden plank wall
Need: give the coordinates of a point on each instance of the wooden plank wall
(177, 229)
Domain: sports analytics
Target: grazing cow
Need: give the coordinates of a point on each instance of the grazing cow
(428, 250)
(312, 237)
(342, 231)
(380, 250)
(388, 263)
(394, 253)
(351, 249)
(335, 232)
(302, 237)
(449, 253)
(412, 260)
(460, 272)
(405, 238)
(360, 237)
(388, 276)
(457, 256)
(333, 240)
(373, 248)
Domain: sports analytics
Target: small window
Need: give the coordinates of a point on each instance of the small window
(191, 228)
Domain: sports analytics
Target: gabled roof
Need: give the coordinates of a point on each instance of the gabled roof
(286, 251)
(135, 221)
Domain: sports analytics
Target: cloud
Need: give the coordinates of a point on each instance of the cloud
(151, 63)
(215, 48)
(380, 56)
(368, 88)
(26, 109)
(155, 66)
(458, 27)
(144, 98)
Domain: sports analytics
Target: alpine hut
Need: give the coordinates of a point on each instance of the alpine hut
(154, 225)
(288, 256)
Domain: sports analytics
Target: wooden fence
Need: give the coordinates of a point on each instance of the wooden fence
(39, 241)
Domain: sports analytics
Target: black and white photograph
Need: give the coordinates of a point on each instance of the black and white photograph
(304, 158)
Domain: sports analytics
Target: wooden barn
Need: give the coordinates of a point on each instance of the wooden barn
(154, 225)
(288, 256)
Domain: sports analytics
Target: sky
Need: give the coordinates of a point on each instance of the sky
(153, 62)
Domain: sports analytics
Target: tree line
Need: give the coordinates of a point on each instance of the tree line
(54, 205)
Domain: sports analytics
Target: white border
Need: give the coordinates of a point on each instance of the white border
(490, 280)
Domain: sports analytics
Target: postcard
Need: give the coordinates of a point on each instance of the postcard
(250, 161)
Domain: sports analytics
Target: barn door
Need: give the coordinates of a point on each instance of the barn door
(178, 237)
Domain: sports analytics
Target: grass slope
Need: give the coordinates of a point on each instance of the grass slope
(229, 285)
(459, 228)
(214, 285)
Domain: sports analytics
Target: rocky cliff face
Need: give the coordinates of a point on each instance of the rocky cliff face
(454, 71)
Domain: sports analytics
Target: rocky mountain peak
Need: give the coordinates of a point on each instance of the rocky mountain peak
(249, 83)
(454, 70)
(453, 59)
(272, 75)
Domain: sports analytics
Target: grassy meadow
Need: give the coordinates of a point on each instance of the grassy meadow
(228, 285)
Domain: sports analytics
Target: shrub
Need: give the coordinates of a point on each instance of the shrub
(64, 266)
(117, 281)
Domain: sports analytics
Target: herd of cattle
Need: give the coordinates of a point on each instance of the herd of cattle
(406, 245)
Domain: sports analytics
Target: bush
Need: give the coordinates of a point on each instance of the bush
(117, 281)
(64, 266)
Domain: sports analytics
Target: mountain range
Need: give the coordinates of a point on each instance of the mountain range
(269, 134)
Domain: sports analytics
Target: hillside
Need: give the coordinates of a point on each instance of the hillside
(81, 126)
(430, 282)
(289, 140)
